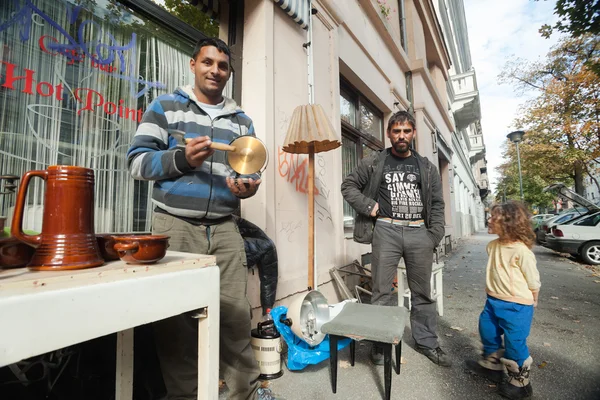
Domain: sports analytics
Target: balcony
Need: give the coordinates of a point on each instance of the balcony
(484, 186)
(466, 107)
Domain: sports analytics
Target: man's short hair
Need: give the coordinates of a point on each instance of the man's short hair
(401, 117)
(211, 41)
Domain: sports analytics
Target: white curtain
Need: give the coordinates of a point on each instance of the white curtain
(45, 128)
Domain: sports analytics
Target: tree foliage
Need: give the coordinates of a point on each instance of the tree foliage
(575, 17)
(192, 15)
(563, 121)
(533, 185)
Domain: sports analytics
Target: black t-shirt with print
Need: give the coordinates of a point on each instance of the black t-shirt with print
(400, 189)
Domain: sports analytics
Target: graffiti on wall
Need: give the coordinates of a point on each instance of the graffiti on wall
(294, 169)
(322, 200)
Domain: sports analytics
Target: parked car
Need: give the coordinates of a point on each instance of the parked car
(580, 238)
(537, 219)
(545, 226)
(584, 208)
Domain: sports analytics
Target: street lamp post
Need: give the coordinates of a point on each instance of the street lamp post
(516, 137)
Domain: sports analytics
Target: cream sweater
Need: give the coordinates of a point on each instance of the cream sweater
(511, 273)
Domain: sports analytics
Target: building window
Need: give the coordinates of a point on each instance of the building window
(362, 134)
(76, 81)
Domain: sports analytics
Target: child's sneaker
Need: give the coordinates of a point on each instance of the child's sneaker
(517, 385)
(489, 367)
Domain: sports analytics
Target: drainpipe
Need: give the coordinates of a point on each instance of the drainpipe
(409, 92)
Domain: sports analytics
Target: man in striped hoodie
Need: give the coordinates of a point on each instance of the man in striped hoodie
(194, 197)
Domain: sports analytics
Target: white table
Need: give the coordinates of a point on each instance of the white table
(48, 310)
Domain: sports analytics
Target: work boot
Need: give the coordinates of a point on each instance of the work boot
(516, 386)
(267, 394)
(437, 355)
(489, 366)
(377, 354)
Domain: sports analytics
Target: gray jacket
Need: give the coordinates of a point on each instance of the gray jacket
(361, 186)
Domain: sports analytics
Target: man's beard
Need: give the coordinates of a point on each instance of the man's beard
(402, 150)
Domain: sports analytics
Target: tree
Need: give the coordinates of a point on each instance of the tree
(533, 185)
(576, 18)
(563, 121)
(191, 15)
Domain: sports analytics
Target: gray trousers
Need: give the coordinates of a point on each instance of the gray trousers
(390, 243)
(177, 337)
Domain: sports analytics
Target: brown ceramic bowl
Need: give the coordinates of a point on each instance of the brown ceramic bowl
(14, 253)
(141, 249)
(106, 243)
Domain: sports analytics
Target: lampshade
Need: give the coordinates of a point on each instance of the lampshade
(310, 131)
(516, 136)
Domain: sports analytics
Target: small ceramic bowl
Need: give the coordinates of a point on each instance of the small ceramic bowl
(106, 243)
(14, 254)
(141, 249)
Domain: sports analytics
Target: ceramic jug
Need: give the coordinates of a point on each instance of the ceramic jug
(67, 240)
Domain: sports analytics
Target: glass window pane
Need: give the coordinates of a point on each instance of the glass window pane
(90, 71)
(349, 163)
(347, 109)
(369, 122)
(366, 150)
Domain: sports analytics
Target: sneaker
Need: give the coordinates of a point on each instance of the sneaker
(267, 394)
(437, 355)
(376, 354)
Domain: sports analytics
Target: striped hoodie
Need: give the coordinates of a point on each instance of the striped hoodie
(180, 189)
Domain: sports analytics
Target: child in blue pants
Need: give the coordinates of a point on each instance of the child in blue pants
(512, 286)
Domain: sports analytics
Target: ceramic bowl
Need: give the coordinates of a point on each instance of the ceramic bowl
(106, 243)
(14, 254)
(141, 249)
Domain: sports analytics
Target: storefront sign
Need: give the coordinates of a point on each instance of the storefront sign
(90, 99)
(102, 51)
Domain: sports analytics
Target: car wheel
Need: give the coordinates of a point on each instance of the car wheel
(590, 253)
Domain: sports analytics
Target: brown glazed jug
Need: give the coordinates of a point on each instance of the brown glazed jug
(67, 240)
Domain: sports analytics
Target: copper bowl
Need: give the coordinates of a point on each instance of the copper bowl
(14, 253)
(141, 249)
(106, 243)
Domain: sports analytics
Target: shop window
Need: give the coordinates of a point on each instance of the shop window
(75, 79)
(362, 133)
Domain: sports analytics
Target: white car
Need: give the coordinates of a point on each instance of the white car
(536, 220)
(581, 238)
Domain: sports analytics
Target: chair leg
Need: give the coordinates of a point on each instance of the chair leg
(387, 368)
(333, 340)
(439, 287)
(352, 351)
(398, 349)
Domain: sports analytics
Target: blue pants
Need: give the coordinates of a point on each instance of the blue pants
(512, 320)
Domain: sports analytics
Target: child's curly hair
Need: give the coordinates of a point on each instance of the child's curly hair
(511, 223)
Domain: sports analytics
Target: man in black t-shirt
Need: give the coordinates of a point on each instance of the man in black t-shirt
(398, 197)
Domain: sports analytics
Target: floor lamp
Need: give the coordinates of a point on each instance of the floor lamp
(310, 132)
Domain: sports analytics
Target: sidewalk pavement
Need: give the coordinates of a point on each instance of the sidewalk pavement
(564, 340)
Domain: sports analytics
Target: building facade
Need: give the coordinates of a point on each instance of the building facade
(471, 185)
(78, 75)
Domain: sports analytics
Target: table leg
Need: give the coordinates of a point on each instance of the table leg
(124, 378)
(208, 354)
(333, 364)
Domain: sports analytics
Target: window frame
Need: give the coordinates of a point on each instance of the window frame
(352, 130)
(354, 134)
